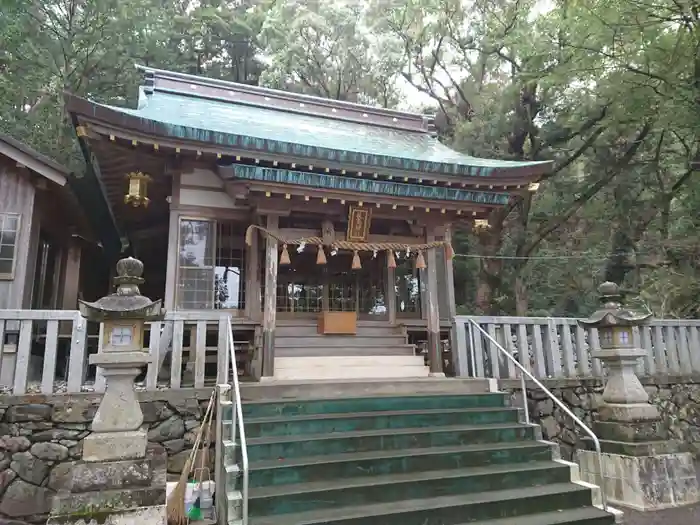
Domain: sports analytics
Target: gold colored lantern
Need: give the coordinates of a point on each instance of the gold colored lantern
(138, 189)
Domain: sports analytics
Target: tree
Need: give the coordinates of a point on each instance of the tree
(325, 48)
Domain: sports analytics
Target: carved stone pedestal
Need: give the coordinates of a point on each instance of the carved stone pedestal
(122, 492)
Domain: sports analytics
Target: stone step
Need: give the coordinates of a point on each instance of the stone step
(283, 329)
(444, 510)
(342, 361)
(327, 423)
(328, 341)
(281, 471)
(350, 367)
(307, 407)
(343, 350)
(395, 439)
(365, 490)
(580, 516)
(376, 388)
(353, 372)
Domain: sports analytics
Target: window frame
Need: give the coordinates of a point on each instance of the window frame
(3, 215)
(179, 267)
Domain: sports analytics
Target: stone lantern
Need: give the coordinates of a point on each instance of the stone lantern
(116, 428)
(121, 479)
(642, 467)
(619, 355)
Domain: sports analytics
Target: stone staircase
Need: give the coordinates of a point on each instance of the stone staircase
(412, 452)
(378, 350)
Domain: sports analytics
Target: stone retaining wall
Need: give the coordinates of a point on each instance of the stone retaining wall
(41, 437)
(678, 399)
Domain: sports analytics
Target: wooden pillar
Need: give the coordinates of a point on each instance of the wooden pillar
(71, 276)
(390, 292)
(434, 353)
(460, 369)
(252, 278)
(270, 299)
(171, 265)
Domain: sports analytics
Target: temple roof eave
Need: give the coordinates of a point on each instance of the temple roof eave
(123, 119)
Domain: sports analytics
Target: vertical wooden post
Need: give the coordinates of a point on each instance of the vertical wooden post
(434, 351)
(71, 276)
(452, 307)
(390, 292)
(252, 278)
(171, 265)
(270, 299)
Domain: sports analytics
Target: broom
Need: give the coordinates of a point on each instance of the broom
(175, 506)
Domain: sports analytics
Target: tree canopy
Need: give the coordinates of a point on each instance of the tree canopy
(607, 89)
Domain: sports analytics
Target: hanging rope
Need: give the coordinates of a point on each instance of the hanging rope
(354, 247)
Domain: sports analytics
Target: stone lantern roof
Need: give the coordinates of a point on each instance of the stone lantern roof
(127, 301)
(612, 311)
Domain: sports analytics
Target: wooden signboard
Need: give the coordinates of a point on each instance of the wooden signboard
(359, 220)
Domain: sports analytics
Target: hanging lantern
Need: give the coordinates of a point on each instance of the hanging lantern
(138, 189)
(390, 260)
(321, 256)
(284, 256)
(420, 261)
(356, 264)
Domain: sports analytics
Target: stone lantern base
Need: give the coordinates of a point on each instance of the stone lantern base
(123, 492)
(642, 468)
(643, 482)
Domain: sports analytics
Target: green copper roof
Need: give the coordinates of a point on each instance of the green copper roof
(263, 129)
(334, 182)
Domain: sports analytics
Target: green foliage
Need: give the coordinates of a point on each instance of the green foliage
(609, 90)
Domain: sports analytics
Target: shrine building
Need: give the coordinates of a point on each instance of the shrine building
(323, 227)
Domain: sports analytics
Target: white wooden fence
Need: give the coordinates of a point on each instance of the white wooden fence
(557, 347)
(46, 351)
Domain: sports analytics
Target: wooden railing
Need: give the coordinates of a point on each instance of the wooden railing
(46, 351)
(557, 347)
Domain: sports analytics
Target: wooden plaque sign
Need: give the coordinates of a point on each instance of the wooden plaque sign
(359, 221)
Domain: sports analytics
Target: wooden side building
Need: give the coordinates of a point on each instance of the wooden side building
(351, 207)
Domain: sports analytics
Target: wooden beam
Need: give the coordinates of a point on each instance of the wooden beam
(71, 276)
(252, 278)
(452, 308)
(433, 314)
(171, 265)
(270, 299)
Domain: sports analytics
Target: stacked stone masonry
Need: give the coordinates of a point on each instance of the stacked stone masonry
(41, 439)
(678, 400)
(41, 436)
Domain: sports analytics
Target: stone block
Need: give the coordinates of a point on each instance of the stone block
(107, 501)
(109, 475)
(643, 482)
(155, 515)
(631, 432)
(110, 446)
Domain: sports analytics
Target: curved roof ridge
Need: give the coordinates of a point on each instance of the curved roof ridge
(238, 93)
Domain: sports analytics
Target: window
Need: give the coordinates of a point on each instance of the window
(9, 231)
(211, 265)
(121, 335)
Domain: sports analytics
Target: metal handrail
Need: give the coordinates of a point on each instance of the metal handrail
(586, 429)
(238, 423)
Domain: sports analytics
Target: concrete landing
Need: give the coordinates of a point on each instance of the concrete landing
(332, 388)
(350, 367)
